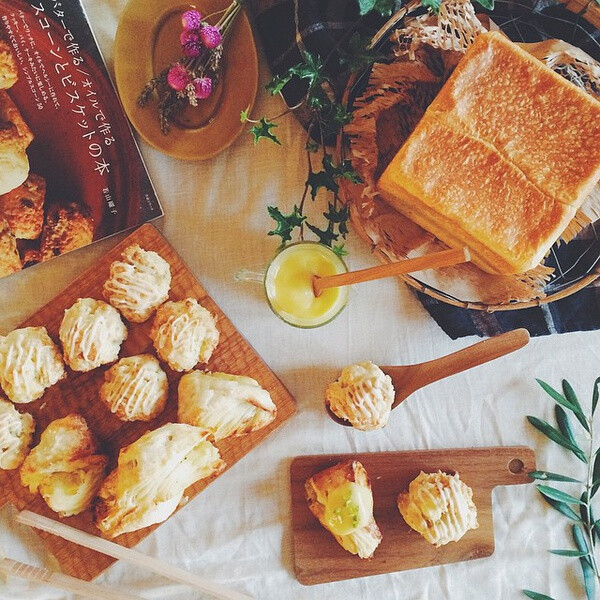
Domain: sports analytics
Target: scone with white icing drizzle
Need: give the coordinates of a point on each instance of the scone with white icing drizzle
(151, 476)
(341, 498)
(136, 388)
(65, 467)
(439, 506)
(16, 433)
(184, 334)
(91, 333)
(30, 362)
(363, 395)
(223, 405)
(138, 284)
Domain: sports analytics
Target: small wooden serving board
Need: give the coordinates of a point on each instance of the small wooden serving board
(79, 393)
(318, 558)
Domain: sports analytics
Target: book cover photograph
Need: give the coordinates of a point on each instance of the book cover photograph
(70, 170)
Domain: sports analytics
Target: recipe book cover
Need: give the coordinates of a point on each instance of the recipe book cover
(63, 131)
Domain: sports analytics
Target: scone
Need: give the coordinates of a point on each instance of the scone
(10, 262)
(363, 394)
(16, 433)
(135, 389)
(151, 476)
(439, 506)
(138, 284)
(10, 114)
(222, 405)
(9, 72)
(23, 208)
(341, 498)
(14, 164)
(67, 228)
(30, 363)
(184, 334)
(64, 467)
(91, 333)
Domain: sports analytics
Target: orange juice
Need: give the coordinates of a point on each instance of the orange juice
(289, 284)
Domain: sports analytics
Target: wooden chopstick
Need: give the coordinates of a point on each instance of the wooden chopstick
(60, 581)
(127, 554)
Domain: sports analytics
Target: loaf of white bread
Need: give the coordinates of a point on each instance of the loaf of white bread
(502, 159)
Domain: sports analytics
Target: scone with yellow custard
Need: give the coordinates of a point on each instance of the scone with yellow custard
(439, 506)
(65, 467)
(30, 363)
(341, 498)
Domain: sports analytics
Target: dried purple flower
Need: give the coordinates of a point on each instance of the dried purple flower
(202, 87)
(188, 36)
(192, 48)
(178, 77)
(191, 19)
(211, 36)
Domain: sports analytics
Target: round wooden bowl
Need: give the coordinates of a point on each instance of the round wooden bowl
(588, 10)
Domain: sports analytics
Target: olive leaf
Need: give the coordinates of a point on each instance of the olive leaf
(571, 553)
(562, 508)
(555, 494)
(589, 577)
(596, 392)
(596, 475)
(557, 396)
(547, 476)
(571, 396)
(557, 437)
(537, 595)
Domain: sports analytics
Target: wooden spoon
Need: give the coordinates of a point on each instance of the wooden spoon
(410, 378)
(436, 260)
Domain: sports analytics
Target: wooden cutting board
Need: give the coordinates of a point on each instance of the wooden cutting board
(79, 393)
(318, 558)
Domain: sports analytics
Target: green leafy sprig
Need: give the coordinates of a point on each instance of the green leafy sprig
(575, 506)
(327, 116)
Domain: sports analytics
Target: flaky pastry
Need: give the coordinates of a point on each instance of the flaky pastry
(30, 363)
(138, 284)
(9, 71)
(67, 227)
(10, 261)
(136, 388)
(184, 334)
(363, 394)
(439, 506)
(23, 208)
(16, 433)
(64, 467)
(341, 498)
(91, 333)
(151, 477)
(222, 405)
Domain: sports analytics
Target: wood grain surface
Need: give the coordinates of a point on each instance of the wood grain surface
(79, 393)
(318, 558)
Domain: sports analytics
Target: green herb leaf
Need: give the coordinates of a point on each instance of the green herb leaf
(586, 566)
(263, 130)
(285, 223)
(559, 495)
(564, 425)
(596, 475)
(537, 595)
(489, 4)
(326, 236)
(557, 396)
(347, 171)
(321, 179)
(571, 553)
(383, 7)
(596, 391)
(570, 395)
(278, 83)
(547, 476)
(244, 115)
(357, 55)
(557, 437)
(340, 250)
(433, 5)
(562, 508)
(309, 70)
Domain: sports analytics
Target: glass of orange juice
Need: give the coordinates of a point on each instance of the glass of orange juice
(288, 283)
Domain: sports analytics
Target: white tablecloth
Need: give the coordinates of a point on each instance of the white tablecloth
(238, 531)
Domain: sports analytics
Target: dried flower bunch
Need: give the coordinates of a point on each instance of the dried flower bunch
(195, 75)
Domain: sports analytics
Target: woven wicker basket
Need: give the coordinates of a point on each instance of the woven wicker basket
(589, 10)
